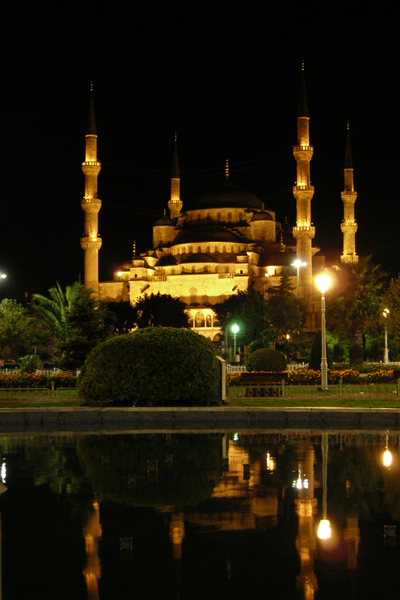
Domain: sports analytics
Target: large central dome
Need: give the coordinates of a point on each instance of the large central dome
(228, 195)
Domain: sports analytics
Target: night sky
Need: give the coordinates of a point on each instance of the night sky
(227, 80)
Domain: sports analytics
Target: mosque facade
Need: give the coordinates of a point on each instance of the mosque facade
(223, 243)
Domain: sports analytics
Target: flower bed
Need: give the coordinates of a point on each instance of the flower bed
(25, 380)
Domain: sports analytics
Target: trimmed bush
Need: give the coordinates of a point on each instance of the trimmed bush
(266, 359)
(152, 366)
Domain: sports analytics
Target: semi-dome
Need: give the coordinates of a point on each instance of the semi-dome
(207, 233)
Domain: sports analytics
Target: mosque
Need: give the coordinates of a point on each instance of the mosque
(222, 243)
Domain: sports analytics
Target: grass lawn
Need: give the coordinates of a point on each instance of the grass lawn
(14, 398)
(321, 401)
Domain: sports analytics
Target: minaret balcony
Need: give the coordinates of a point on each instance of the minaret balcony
(303, 232)
(348, 226)
(91, 205)
(303, 188)
(303, 153)
(88, 243)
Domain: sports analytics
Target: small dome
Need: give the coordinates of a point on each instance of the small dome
(164, 221)
(262, 215)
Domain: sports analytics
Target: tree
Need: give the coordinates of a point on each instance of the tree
(391, 300)
(53, 312)
(358, 304)
(249, 311)
(76, 319)
(287, 315)
(161, 310)
(14, 327)
(125, 315)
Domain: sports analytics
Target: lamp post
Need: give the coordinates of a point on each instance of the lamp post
(2, 276)
(323, 282)
(298, 263)
(385, 314)
(235, 329)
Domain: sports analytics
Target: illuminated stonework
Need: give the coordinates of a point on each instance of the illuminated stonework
(91, 241)
(349, 196)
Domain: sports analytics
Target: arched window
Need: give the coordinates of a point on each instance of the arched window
(199, 249)
(208, 321)
(218, 216)
(199, 217)
(199, 320)
(229, 217)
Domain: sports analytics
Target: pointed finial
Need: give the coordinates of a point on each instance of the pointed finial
(91, 85)
(134, 248)
(302, 63)
(348, 159)
(262, 205)
(165, 212)
(227, 168)
(176, 137)
(348, 126)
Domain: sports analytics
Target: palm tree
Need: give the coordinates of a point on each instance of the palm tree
(53, 312)
(357, 305)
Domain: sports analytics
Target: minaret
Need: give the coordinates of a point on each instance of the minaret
(91, 242)
(303, 191)
(175, 204)
(349, 196)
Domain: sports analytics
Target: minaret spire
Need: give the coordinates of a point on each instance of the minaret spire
(349, 225)
(91, 241)
(175, 204)
(303, 192)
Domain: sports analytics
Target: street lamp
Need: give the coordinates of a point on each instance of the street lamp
(235, 329)
(385, 314)
(298, 263)
(323, 282)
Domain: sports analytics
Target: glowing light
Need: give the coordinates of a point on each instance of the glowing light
(235, 437)
(324, 529)
(270, 462)
(387, 458)
(323, 282)
(235, 329)
(3, 471)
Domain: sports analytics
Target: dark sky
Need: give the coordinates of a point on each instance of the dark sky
(228, 81)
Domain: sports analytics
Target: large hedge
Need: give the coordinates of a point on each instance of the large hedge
(266, 359)
(152, 366)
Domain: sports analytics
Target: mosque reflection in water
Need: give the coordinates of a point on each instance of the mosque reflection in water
(201, 515)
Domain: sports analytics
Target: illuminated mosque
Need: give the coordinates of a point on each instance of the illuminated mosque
(221, 244)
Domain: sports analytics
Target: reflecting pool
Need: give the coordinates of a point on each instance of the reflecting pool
(200, 515)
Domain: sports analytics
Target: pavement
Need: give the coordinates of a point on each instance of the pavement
(221, 418)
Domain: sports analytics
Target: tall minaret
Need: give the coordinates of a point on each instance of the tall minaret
(175, 204)
(91, 242)
(349, 196)
(303, 191)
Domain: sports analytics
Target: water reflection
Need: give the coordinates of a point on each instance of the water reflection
(195, 516)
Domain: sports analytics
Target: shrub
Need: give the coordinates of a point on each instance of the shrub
(152, 366)
(266, 359)
(29, 363)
